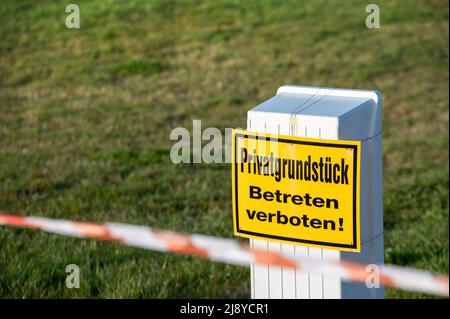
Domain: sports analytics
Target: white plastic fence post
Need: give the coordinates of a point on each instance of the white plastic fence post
(329, 114)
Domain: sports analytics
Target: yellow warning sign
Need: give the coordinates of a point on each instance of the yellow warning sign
(301, 191)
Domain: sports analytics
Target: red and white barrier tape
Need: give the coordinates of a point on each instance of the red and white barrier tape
(229, 251)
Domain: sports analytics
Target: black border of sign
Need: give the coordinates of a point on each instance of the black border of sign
(283, 140)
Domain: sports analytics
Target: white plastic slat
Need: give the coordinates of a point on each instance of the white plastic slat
(360, 119)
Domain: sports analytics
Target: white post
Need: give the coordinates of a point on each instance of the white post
(335, 114)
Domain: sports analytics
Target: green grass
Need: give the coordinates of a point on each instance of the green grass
(85, 118)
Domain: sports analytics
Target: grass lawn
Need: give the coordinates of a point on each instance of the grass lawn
(85, 118)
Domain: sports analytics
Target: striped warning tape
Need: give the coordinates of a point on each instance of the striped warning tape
(231, 252)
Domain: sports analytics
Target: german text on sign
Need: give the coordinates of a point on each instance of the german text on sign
(296, 190)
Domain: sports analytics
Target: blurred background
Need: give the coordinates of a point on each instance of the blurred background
(85, 118)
